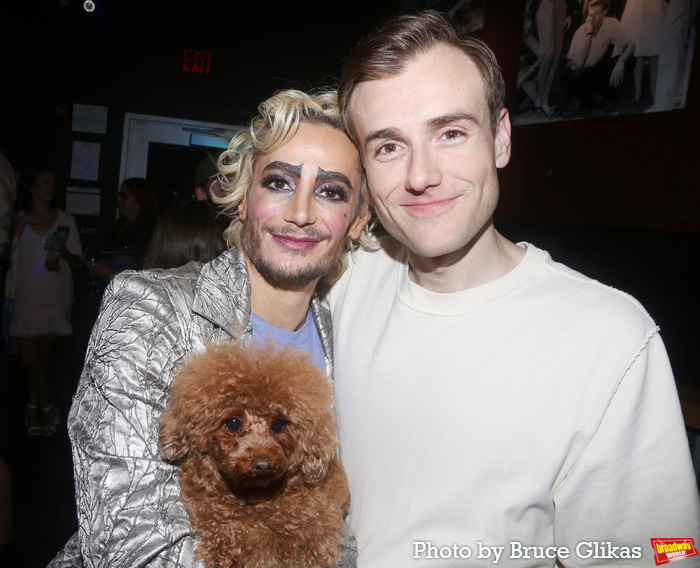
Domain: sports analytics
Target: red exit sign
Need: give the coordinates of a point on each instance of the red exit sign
(197, 61)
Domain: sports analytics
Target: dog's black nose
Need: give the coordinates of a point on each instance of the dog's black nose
(262, 466)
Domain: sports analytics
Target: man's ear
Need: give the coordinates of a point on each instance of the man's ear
(243, 208)
(502, 140)
(358, 224)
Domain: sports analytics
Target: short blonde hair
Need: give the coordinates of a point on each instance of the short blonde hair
(277, 121)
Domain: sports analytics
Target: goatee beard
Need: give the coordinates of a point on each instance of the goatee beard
(293, 279)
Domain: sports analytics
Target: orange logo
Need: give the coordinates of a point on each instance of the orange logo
(671, 549)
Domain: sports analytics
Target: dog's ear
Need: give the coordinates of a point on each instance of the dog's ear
(315, 468)
(172, 438)
(318, 451)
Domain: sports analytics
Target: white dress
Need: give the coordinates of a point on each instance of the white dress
(43, 298)
(642, 22)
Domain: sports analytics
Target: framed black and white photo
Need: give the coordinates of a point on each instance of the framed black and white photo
(593, 58)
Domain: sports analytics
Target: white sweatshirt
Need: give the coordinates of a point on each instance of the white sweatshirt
(538, 410)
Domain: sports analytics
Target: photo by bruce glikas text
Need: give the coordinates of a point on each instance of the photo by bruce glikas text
(518, 551)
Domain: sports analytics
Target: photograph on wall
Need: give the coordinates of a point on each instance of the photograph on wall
(468, 15)
(85, 163)
(594, 58)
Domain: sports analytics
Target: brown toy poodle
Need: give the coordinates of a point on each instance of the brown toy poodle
(253, 433)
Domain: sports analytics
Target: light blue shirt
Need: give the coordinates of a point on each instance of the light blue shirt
(306, 338)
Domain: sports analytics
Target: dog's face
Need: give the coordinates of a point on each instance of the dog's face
(258, 416)
(253, 449)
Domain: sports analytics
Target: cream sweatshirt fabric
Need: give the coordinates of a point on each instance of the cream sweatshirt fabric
(538, 410)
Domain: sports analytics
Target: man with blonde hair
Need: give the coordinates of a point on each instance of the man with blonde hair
(495, 407)
(295, 191)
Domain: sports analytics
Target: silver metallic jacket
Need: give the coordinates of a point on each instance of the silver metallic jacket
(129, 509)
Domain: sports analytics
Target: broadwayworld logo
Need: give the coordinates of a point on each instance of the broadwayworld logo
(671, 549)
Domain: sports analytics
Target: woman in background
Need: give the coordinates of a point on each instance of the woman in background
(125, 244)
(188, 230)
(553, 20)
(45, 246)
(643, 22)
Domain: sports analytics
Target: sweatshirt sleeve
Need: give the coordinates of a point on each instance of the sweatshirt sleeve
(634, 480)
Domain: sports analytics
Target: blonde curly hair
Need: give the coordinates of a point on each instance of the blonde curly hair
(277, 122)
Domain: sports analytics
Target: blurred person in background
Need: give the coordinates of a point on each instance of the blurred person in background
(188, 230)
(204, 179)
(45, 247)
(125, 243)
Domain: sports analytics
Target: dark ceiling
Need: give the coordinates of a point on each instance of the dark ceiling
(128, 55)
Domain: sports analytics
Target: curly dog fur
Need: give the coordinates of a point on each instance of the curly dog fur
(253, 433)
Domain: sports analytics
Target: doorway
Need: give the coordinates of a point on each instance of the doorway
(167, 152)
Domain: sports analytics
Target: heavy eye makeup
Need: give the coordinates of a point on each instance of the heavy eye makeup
(278, 182)
(332, 192)
(282, 183)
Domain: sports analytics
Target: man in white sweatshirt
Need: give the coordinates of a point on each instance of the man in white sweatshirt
(495, 407)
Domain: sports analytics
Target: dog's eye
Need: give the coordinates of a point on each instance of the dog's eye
(232, 424)
(278, 425)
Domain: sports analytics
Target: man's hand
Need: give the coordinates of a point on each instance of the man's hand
(617, 73)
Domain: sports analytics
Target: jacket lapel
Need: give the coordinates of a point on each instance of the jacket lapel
(222, 297)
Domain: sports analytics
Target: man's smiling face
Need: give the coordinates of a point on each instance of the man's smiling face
(430, 153)
(301, 206)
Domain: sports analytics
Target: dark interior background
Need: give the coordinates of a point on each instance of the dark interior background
(615, 197)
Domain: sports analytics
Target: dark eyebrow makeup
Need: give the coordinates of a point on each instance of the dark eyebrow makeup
(284, 166)
(323, 174)
(296, 170)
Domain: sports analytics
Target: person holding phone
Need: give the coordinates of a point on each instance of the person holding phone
(45, 246)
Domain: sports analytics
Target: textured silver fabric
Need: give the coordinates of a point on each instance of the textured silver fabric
(129, 509)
